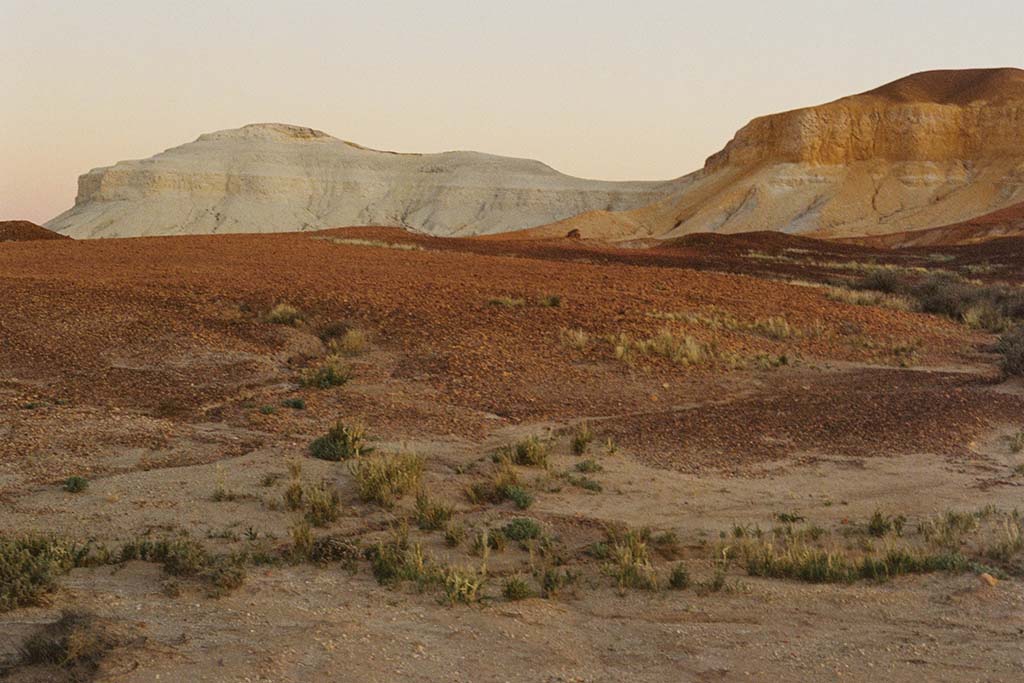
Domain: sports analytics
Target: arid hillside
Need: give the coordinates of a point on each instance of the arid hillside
(931, 149)
(409, 458)
(1008, 222)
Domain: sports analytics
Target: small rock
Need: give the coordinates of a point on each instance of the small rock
(988, 578)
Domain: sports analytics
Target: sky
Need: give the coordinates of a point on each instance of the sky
(613, 90)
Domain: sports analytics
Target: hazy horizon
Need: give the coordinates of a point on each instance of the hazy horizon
(595, 91)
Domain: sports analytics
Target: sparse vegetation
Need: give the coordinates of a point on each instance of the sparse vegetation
(77, 643)
(463, 585)
(581, 438)
(284, 314)
(681, 350)
(342, 442)
(351, 342)
(530, 452)
(679, 578)
(588, 466)
(386, 478)
(29, 567)
(522, 529)
(506, 302)
(630, 563)
(575, 338)
(1017, 442)
(550, 301)
(431, 514)
(516, 588)
(332, 372)
(294, 403)
(321, 504)
(76, 484)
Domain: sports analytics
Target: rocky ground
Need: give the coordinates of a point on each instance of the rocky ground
(694, 407)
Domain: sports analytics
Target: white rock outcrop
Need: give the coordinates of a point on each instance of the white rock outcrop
(275, 177)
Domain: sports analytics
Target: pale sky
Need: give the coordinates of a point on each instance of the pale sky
(614, 90)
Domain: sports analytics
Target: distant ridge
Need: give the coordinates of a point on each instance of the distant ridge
(23, 231)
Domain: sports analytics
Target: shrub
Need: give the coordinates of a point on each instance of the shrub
(487, 540)
(581, 439)
(321, 505)
(520, 496)
(774, 327)
(1011, 346)
(76, 484)
(550, 301)
(283, 314)
(267, 410)
(430, 514)
(294, 403)
(462, 585)
(585, 483)
(630, 563)
(334, 549)
(522, 529)
(515, 588)
(589, 466)
(1017, 442)
(502, 485)
(384, 479)
(351, 343)
(679, 579)
(29, 567)
(396, 560)
(454, 535)
(333, 372)
(342, 442)
(77, 642)
(531, 452)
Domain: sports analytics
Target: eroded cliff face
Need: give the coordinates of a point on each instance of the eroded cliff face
(276, 177)
(930, 149)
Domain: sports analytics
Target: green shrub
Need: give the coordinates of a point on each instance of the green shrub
(462, 585)
(431, 515)
(589, 466)
(332, 372)
(531, 452)
(522, 529)
(679, 579)
(294, 403)
(516, 588)
(321, 505)
(76, 484)
(581, 439)
(342, 442)
(29, 567)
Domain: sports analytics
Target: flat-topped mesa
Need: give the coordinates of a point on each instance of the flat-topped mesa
(931, 116)
(272, 177)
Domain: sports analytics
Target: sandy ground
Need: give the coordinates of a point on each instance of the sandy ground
(144, 365)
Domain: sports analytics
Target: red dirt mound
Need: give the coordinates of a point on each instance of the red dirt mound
(1008, 222)
(22, 231)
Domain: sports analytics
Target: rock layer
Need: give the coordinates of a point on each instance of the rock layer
(275, 177)
(930, 149)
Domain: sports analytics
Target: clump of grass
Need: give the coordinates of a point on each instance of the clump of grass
(454, 535)
(78, 642)
(334, 549)
(321, 504)
(302, 538)
(530, 452)
(76, 484)
(267, 410)
(867, 297)
(488, 540)
(431, 515)
(352, 342)
(29, 567)
(294, 403)
(384, 479)
(332, 372)
(516, 588)
(773, 327)
(397, 560)
(522, 529)
(506, 302)
(553, 579)
(503, 484)
(463, 585)
(183, 556)
(679, 578)
(682, 350)
(550, 301)
(589, 466)
(575, 338)
(585, 483)
(630, 563)
(581, 438)
(879, 524)
(342, 442)
(283, 314)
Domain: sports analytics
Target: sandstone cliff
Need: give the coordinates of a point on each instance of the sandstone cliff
(275, 177)
(930, 149)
